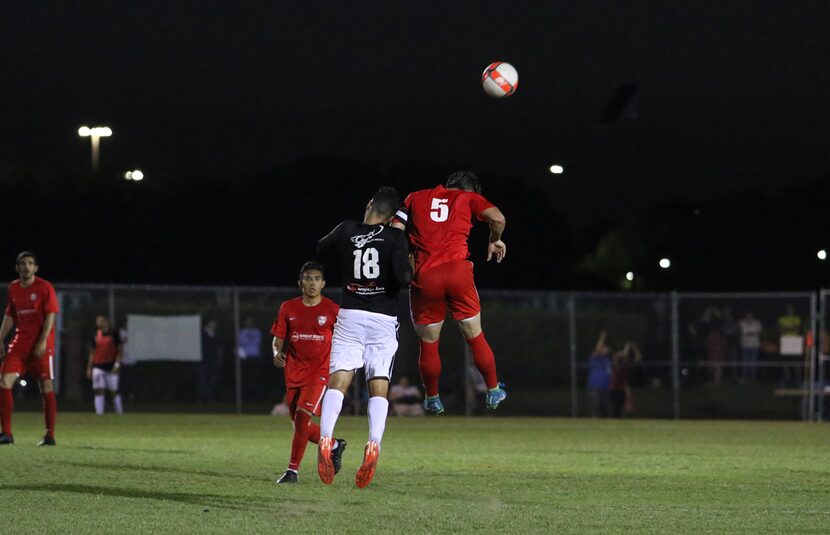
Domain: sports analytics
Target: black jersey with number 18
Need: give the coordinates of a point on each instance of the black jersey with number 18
(373, 264)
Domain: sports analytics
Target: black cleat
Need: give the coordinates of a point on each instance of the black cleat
(337, 454)
(47, 441)
(6, 439)
(290, 476)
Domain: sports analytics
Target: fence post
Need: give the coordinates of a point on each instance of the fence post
(675, 358)
(572, 337)
(236, 360)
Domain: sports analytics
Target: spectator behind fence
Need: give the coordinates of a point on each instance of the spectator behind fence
(791, 342)
(406, 398)
(254, 368)
(211, 362)
(599, 378)
(620, 390)
(750, 329)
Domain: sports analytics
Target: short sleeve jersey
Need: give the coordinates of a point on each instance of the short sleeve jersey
(438, 222)
(307, 333)
(105, 348)
(28, 307)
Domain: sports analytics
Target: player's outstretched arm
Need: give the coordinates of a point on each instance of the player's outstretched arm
(496, 221)
(329, 241)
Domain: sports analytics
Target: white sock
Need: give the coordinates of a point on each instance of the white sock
(99, 404)
(377, 411)
(332, 403)
(116, 402)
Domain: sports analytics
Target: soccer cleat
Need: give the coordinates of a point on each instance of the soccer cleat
(325, 465)
(6, 439)
(370, 462)
(433, 404)
(290, 476)
(495, 396)
(47, 441)
(337, 454)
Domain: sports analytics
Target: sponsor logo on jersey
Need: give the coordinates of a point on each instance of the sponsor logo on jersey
(361, 240)
(295, 336)
(34, 297)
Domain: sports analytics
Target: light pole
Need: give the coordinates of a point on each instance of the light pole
(95, 134)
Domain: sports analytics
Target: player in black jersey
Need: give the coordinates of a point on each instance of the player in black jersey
(374, 265)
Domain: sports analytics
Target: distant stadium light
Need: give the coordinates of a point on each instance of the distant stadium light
(557, 169)
(629, 276)
(665, 263)
(822, 255)
(95, 134)
(134, 175)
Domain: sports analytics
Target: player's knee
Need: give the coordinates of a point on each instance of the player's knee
(99, 391)
(46, 386)
(429, 333)
(7, 380)
(470, 327)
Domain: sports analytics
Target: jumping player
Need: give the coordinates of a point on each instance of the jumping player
(374, 266)
(438, 222)
(31, 308)
(302, 343)
(104, 365)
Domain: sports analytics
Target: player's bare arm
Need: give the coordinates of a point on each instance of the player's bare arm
(119, 354)
(279, 357)
(496, 221)
(89, 362)
(48, 323)
(8, 325)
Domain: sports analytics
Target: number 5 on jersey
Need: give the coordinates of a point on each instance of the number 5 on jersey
(439, 211)
(369, 260)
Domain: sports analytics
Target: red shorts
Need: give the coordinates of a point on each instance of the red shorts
(308, 397)
(450, 285)
(18, 363)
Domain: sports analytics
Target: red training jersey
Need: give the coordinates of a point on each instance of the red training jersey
(438, 222)
(105, 347)
(307, 332)
(28, 307)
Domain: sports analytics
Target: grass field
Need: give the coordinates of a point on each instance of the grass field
(144, 473)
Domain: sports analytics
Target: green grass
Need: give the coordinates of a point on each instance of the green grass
(144, 473)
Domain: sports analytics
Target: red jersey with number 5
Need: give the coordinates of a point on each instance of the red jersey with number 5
(307, 333)
(438, 222)
(28, 306)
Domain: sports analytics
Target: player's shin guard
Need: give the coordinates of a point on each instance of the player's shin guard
(50, 412)
(300, 439)
(6, 408)
(484, 360)
(429, 362)
(377, 410)
(332, 403)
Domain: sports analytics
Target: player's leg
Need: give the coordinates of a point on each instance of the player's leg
(99, 385)
(428, 308)
(50, 411)
(306, 404)
(112, 380)
(7, 379)
(332, 405)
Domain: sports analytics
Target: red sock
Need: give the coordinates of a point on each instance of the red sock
(313, 433)
(300, 440)
(50, 412)
(429, 361)
(6, 408)
(484, 360)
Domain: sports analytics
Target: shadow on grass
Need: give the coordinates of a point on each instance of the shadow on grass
(141, 450)
(242, 503)
(121, 467)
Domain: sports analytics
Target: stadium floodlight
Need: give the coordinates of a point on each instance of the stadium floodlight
(136, 175)
(665, 263)
(629, 276)
(822, 254)
(556, 169)
(95, 134)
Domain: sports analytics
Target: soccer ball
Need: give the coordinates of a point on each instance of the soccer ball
(500, 79)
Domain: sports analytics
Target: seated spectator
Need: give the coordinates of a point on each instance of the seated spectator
(406, 398)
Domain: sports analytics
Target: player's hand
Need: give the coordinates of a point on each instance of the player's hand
(40, 349)
(279, 358)
(498, 249)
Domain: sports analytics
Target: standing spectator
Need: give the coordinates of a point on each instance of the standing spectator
(211, 362)
(250, 353)
(619, 387)
(715, 343)
(406, 398)
(104, 365)
(791, 341)
(599, 378)
(750, 329)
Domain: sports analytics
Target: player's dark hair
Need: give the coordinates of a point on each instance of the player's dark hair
(386, 201)
(26, 254)
(464, 180)
(310, 265)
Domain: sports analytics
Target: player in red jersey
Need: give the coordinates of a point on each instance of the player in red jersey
(104, 365)
(32, 307)
(438, 222)
(302, 345)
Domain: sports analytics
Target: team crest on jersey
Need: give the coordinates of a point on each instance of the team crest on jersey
(361, 240)
(321, 320)
(34, 297)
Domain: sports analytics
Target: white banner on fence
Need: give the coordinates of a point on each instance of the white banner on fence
(164, 338)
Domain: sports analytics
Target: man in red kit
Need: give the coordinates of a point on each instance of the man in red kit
(438, 223)
(104, 365)
(302, 345)
(32, 307)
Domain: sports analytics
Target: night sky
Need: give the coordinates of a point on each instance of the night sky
(731, 99)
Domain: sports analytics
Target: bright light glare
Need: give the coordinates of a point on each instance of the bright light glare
(665, 263)
(84, 131)
(99, 131)
(629, 276)
(822, 255)
(557, 169)
(138, 175)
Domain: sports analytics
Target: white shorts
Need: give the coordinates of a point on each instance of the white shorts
(364, 339)
(104, 380)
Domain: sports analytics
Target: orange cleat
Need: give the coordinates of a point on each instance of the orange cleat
(325, 466)
(370, 462)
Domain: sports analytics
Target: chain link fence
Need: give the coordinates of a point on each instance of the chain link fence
(662, 355)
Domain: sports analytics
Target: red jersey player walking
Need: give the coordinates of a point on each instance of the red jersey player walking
(32, 307)
(438, 222)
(302, 345)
